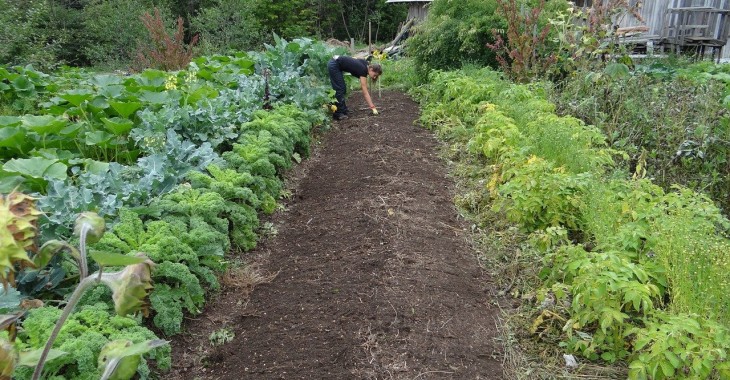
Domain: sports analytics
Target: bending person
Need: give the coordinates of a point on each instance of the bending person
(357, 67)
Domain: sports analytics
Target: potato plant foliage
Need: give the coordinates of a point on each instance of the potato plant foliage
(630, 272)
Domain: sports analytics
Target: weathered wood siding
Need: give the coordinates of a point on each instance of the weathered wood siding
(417, 10)
(653, 13)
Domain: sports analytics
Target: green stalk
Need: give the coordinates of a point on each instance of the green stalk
(78, 146)
(110, 368)
(84, 285)
(83, 265)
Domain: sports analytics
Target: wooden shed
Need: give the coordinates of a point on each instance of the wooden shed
(417, 9)
(680, 25)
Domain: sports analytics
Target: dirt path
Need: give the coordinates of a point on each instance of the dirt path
(376, 277)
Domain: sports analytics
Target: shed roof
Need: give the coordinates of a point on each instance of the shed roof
(408, 1)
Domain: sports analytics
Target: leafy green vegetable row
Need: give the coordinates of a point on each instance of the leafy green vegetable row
(99, 141)
(201, 177)
(189, 238)
(635, 273)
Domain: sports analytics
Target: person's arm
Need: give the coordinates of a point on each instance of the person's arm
(364, 85)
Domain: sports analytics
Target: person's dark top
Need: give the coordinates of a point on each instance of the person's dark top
(356, 67)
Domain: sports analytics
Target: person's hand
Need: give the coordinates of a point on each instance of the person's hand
(375, 111)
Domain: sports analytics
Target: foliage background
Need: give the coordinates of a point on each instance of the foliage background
(105, 34)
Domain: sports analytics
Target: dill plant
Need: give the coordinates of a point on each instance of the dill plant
(696, 256)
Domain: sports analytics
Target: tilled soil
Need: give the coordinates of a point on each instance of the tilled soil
(376, 277)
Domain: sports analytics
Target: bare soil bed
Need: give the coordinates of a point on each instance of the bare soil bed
(374, 274)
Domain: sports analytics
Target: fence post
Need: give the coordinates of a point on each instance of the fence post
(370, 35)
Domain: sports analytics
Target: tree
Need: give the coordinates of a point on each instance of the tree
(112, 31)
(227, 25)
(25, 34)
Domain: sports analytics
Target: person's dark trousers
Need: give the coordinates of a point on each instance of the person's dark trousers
(338, 84)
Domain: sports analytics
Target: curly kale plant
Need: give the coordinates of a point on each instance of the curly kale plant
(82, 338)
(193, 203)
(241, 202)
(178, 289)
(202, 214)
(289, 127)
(180, 268)
(130, 286)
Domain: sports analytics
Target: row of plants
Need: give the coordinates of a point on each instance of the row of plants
(669, 112)
(195, 156)
(629, 273)
(112, 141)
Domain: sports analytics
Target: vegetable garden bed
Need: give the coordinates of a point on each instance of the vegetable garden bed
(179, 164)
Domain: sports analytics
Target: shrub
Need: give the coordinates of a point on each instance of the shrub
(398, 74)
(678, 122)
(66, 25)
(585, 36)
(520, 54)
(289, 19)
(455, 33)
(112, 30)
